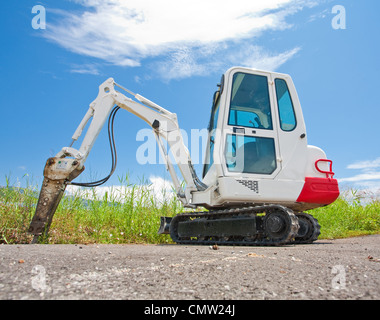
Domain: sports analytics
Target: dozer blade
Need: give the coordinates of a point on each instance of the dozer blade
(57, 173)
(165, 225)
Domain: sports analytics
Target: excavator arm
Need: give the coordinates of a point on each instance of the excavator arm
(69, 163)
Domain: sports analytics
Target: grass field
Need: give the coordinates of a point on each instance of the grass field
(131, 214)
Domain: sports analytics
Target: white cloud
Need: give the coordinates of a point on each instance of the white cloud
(183, 34)
(187, 62)
(85, 69)
(365, 165)
(320, 15)
(368, 178)
(362, 177)
(256, 57)
(183, 63)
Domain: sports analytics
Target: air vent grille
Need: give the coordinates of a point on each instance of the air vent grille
(250, 184)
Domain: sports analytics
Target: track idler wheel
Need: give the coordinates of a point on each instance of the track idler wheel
(309, 230)
(280, 226)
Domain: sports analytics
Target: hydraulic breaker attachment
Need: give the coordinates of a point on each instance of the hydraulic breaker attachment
(165, 225)
(57, 173)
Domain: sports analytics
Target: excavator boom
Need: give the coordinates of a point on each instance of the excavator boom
(68, 164)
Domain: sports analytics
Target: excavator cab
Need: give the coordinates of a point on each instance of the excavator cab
(257, 149)
(249, 117)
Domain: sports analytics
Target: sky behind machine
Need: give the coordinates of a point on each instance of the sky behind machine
(328, 65)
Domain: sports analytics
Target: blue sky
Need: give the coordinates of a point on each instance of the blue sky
(174, 53)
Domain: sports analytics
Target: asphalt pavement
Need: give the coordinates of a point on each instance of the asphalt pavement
(328, 269)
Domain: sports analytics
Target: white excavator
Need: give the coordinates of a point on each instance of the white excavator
(259, 173)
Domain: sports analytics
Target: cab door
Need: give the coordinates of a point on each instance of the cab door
(250, 126)
(291, 129)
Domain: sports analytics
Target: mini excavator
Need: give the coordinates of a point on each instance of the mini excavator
(259, 174)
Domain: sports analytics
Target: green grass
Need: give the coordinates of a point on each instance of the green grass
(16, 210)
(130, 214)
(87, 217)
(345, 218)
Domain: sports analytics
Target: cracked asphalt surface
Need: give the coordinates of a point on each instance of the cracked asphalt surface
(327, 269)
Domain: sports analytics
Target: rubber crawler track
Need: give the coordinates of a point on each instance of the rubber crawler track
(260, 239)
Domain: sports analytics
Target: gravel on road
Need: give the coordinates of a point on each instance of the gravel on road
(327, 269)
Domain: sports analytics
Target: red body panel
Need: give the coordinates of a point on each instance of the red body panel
(319, 190)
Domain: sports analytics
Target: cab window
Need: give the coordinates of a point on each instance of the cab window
(212, 132)
(250, 154)
(285, 106)
(250, 103)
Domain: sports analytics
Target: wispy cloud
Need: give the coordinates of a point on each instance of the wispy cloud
(363, 177)
(188, 62)
(184, 37)
(368, 176)
(257, 57)
(320, 15)
(365, 165)
(85, 69)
